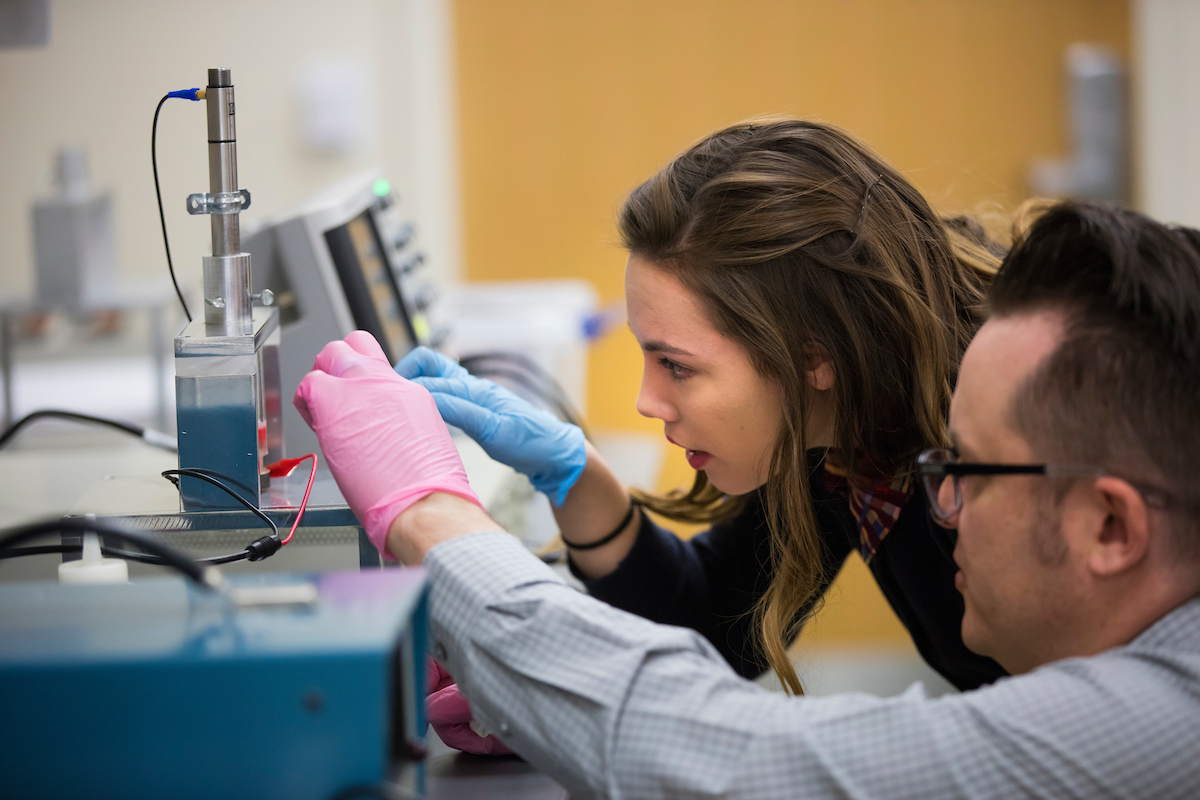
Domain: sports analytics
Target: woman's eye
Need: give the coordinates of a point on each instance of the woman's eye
(677, 371)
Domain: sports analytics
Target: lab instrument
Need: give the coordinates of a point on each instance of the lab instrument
(228, 401)
(274, 686)
(345, 260)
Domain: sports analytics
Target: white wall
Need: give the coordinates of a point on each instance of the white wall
(1167, 87)
(109, 62)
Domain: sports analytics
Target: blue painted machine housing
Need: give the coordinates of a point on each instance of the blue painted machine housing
(157, 689)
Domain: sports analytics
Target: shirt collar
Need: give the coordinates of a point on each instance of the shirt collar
(1179, 626)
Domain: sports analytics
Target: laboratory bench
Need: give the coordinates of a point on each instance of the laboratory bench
(453, 775)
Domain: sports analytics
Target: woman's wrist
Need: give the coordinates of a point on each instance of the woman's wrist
(597, 508)
(622, 526)
(597, 501)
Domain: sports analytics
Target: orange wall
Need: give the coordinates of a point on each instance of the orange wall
(566, 105)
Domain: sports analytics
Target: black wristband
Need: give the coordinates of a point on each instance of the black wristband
(601, 542)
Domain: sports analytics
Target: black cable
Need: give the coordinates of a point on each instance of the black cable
(213, 478)
(256, 551)
(18, 552)
(158, 193)
(113, 552)
(128, 427)
(263, 547)
(143, 558)
(169, 555)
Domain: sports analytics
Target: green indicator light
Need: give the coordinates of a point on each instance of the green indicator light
(421, 327)
(382, 187)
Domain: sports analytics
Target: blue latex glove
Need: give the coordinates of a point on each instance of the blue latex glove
(547, 450)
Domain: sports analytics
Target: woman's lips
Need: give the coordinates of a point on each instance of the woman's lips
(697, 458)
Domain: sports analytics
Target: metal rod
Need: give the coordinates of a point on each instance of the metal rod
(227, 271)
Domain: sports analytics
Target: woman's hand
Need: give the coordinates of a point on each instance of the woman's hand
(548, 451)
(382, 436)
(553, 454)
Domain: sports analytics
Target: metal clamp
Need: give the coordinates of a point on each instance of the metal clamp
(264, 298)
(222, 203)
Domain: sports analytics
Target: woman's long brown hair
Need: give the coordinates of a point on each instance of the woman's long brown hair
(794, 234)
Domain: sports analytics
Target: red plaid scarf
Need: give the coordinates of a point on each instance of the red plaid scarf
(875, 509)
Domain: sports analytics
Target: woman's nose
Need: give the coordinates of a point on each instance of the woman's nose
(652, 400)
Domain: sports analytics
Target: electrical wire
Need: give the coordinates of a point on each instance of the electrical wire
(285, 467)
(258, 549)
(215, 478)
(47, 413)
(168, 556)
(19, 552)
(112, 552)
(162, 218)
(149, 435)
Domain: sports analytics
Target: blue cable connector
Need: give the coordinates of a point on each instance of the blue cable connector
(188, 94)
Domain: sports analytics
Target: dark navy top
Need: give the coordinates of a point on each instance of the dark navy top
(711, 582)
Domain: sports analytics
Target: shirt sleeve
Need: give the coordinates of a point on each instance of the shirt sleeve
(711, 582)
(612, 705)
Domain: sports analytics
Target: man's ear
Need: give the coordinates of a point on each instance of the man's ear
(818, 367)
(1122, 540)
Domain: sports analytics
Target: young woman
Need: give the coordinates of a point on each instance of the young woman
(802, 312)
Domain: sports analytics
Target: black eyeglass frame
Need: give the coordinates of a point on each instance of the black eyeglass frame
(926, 470)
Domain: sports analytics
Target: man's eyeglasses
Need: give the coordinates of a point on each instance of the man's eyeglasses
(934, 466)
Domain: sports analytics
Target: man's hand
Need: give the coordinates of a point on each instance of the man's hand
(382, 436)
(450, 715)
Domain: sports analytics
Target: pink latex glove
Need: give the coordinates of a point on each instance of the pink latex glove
(382, 436)
(450, 715)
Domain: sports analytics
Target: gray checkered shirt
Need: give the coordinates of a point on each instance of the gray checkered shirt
(614, 706)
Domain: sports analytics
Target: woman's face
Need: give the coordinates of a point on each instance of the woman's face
(702, 385)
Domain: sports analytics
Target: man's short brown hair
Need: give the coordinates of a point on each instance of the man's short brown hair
(1122, 390)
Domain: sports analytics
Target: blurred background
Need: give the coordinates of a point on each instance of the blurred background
(511, 130)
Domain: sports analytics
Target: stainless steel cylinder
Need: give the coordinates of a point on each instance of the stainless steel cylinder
(227, 293)
(222, 158)
(226, 235)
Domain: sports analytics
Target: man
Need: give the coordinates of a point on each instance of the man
(1075, 493)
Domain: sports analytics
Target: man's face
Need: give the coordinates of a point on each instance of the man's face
(1015, 579)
